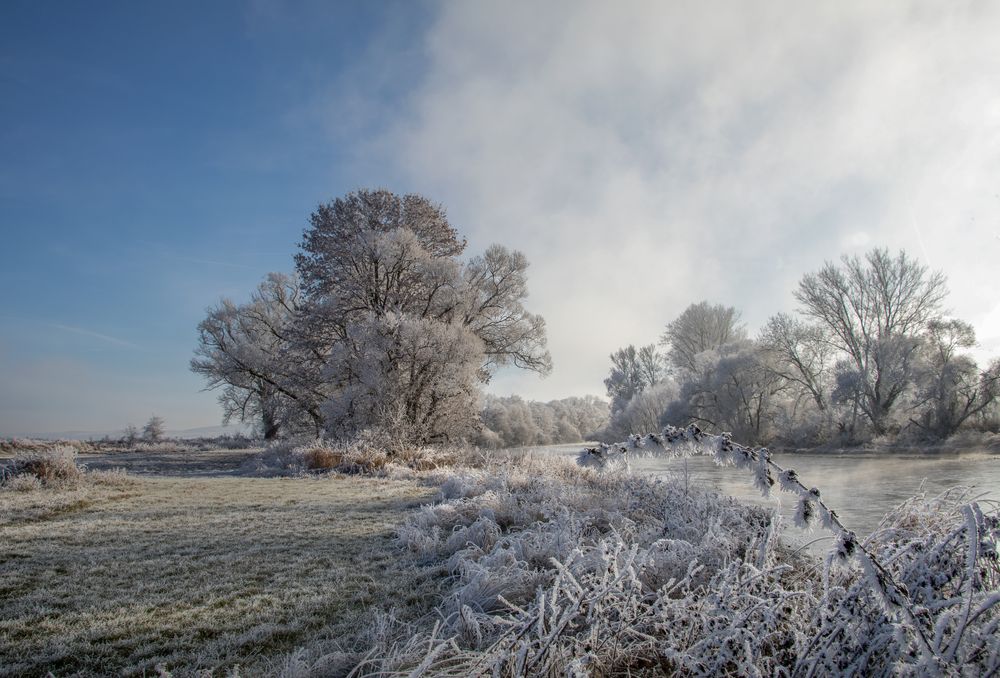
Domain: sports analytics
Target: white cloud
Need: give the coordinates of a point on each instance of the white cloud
(646, 156)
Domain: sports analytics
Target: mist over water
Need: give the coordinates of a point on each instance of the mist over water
(860, 487)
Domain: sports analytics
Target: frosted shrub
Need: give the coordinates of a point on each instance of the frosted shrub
(552, 570)
(55, 466)
(355, 456)
(165, 447)
(529, 549)
(36, 445)
(943, 552)
(919, 596)
(317, 457)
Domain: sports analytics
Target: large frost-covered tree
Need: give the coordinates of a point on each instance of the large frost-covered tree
(733, 388)
(403, 329)
(874, 308)
(384, 326)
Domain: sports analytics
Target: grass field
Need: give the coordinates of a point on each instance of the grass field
(192, 572)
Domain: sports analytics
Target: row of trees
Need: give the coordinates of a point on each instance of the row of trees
(870, 353)
(382, 326)
(513, 422)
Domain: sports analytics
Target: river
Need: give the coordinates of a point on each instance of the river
(860, 487)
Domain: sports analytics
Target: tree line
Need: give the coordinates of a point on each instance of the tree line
(382, 327)
(514, 422)
(870, 353)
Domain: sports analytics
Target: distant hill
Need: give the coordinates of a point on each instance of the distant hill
(198, 432)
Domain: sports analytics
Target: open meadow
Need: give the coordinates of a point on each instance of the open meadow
(184, 568)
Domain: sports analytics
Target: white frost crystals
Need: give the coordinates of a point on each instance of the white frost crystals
(541, 567)
(928, 595)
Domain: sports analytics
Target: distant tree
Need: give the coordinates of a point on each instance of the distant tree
(800, 354)
(951, 389)
(632, 371)
(873, 309)
(643, 412)
(130, 434)
(701, 327)
(731, 389)
(154, 429)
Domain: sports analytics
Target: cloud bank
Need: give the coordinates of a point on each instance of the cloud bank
(650, 155)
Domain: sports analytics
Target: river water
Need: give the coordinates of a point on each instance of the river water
(860, 487)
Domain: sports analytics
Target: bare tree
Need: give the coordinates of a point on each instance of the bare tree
(632, 371)
(951, 387)
(701, 327)
(731, 389)
(799, 354)
(873, 308)
(247, 350)
(130, 435)
(154, 429)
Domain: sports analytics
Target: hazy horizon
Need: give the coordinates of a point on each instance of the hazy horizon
(643, 156)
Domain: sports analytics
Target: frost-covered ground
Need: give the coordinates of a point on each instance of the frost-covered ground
(513, 564)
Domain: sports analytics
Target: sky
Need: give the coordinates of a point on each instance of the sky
(155, 157)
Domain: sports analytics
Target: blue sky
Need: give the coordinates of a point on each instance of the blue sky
(154, 157)
(157, 156)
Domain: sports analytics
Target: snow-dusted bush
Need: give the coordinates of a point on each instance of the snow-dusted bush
(551, 564)
(52, 466)
(56, 468)
(357, 456)
(115, 477)
(38, 445)
(320, 458)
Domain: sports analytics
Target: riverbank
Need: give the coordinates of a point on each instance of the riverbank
(961, 443)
